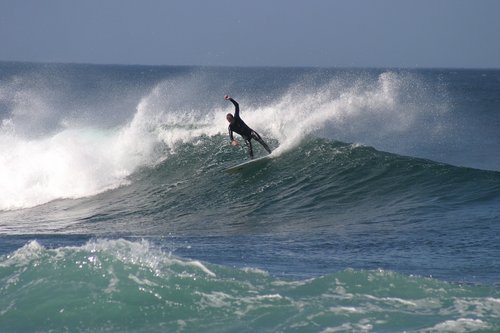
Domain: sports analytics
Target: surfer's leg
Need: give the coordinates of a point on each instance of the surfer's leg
(257, 137)
(250, 149)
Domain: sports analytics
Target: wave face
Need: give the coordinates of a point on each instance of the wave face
(122, 286)
(317, 185)
(377, 211)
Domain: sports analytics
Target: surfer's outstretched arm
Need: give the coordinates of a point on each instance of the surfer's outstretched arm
(236, 105)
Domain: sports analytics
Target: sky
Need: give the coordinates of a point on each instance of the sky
(316, 33)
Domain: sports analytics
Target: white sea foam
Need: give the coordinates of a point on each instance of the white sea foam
(70, 164)
(74, 161)
(460, 325)
(24, 255)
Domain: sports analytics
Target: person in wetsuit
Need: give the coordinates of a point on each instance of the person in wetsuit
(237, 125)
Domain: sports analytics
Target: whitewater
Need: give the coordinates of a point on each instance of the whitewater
(379, 210)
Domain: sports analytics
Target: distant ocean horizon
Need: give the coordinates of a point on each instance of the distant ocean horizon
(240, 66)
(378, 210)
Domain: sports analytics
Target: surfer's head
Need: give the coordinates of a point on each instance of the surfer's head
(229, 117)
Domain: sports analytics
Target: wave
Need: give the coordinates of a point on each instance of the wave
(57, 143)
(119, 285)
(316, 185)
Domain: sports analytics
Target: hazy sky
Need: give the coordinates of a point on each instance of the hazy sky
(371, 33)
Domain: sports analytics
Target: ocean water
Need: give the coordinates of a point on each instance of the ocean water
(378, 211)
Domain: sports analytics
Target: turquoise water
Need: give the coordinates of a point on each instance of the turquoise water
(117, 285)
(378, 210)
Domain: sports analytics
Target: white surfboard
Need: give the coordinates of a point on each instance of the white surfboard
(248, 164)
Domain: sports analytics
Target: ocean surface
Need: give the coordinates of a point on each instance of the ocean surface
(378, 211)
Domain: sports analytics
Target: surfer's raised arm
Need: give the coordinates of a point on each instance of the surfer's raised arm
(236, 105)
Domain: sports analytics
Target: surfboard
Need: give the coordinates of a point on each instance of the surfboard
(249, 164)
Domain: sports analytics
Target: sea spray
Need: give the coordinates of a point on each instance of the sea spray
(73, 163)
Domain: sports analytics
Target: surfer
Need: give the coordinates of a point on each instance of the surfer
(236, 124)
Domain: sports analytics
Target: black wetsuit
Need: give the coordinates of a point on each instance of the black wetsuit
(239, 126)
